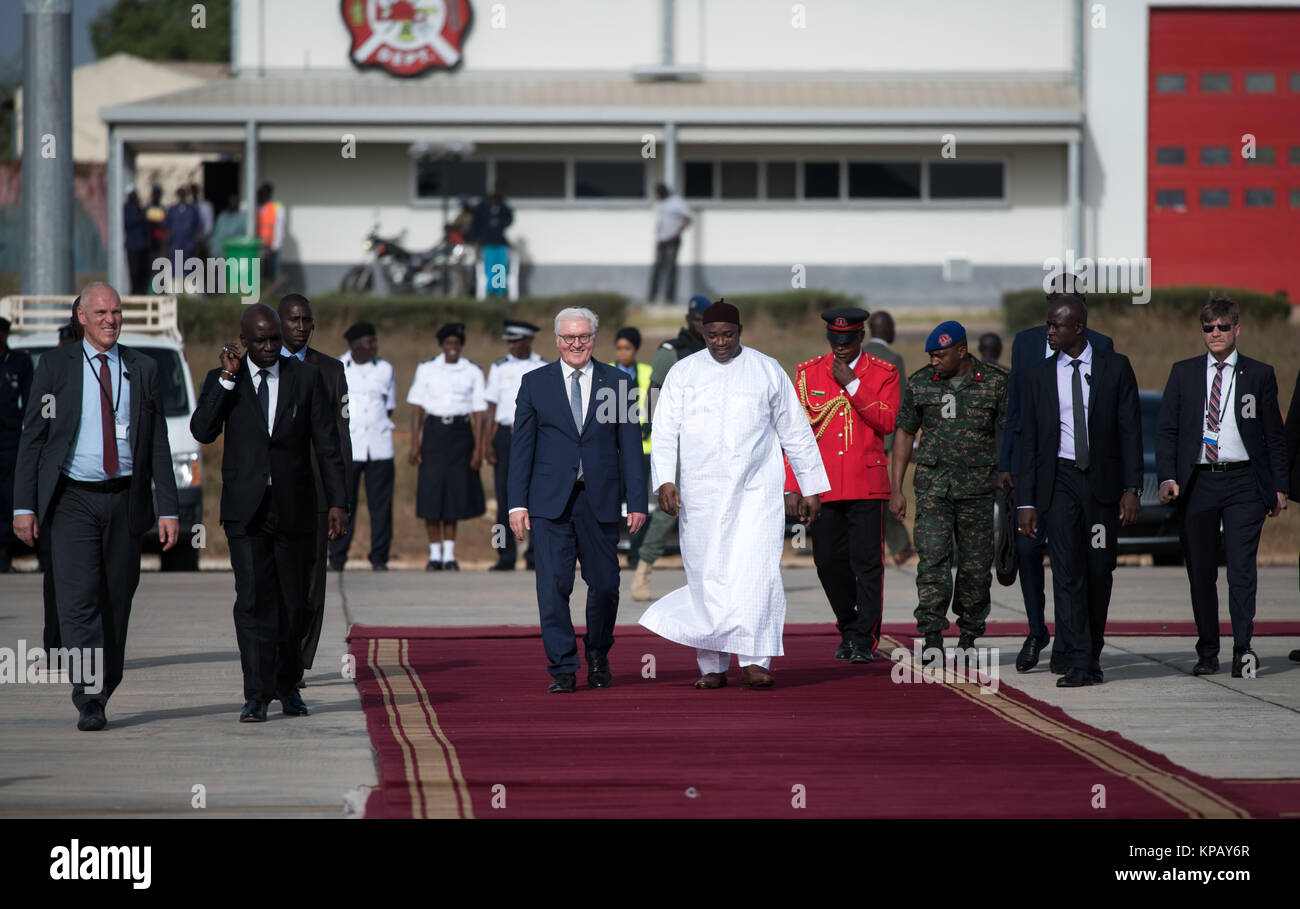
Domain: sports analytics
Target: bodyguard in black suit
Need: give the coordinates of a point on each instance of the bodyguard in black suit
(296, 326)
(1080, 470)
(1221, 454)
(1293, 458)
(273, 410)
(93, 454)
(1028, 348)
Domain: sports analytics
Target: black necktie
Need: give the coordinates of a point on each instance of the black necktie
(264, 399)
(1080, 419)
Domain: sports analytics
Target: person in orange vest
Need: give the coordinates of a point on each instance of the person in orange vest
(851, 399)
(270, 230)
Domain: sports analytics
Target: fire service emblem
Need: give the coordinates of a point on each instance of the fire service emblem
(407, 37)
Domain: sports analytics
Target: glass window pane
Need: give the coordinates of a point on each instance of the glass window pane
(1215, 154)
(609, 179)
(464, 178)
(821, 180)
(1263, 155)
(780, 179)
(739, 180)
(1216, 82)
(1295, 154)
(1295, 82)
(1262, 83)
(1259, 198)
(1214, 198)
(1295, 198)
(1171, 155)
(950, 180)
(1171, 83)
(531, 179)
(884, 180)
(699, 179)
(1171, 198)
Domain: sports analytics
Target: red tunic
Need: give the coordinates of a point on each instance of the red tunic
(849, 430)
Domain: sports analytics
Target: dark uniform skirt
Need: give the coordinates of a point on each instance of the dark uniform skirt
(447, 490)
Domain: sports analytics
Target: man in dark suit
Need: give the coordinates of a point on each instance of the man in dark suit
(93, 454)
(296, 325)
(1028, 348)
(1293, 458)
(1221, 454)
(273, 410)
(1080, 458)
(576, 421)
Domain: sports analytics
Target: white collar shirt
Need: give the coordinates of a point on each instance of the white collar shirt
(372, 395)
(1231, 448)
(1065, 397)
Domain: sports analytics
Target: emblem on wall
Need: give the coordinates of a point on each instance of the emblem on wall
(407, 37)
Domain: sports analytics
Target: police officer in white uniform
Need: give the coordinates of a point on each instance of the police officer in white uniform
(446, 429)
(372, 397)
(502, 389)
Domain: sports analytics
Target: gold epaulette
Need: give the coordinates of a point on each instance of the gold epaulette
(885, 363)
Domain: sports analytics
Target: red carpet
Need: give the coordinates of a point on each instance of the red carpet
(464, 728)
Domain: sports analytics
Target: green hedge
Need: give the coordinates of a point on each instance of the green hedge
(216, 318)
(1025, 308)
(789, 307)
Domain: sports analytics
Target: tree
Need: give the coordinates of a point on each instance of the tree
(164, 30)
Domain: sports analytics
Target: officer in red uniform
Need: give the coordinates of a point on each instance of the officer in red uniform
(851, 399)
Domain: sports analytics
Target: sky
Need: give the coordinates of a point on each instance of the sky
(11, 34)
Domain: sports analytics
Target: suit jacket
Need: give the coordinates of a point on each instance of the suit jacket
(545, 446)
(1293, 440)
(1114, 431)
(336, 384)
(49, 435)
(1179, 433)
(1026, 349)
(304, 420)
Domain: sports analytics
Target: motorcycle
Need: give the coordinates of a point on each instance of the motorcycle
(445, 270)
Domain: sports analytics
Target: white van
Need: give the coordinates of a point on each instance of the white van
(151, 326)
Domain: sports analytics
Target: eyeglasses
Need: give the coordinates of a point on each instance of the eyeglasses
(1221, 326)
(576, 340)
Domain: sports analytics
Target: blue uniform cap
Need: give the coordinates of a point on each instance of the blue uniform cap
(945, 335)
(699, 303)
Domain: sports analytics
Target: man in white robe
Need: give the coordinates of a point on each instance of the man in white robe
(730, 411)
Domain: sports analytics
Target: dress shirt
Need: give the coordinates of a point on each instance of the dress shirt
(86, 460)
(1231, 448)
(372, 394)
(852, 388)
(301, 355)
(447, 389)
(1065, 396)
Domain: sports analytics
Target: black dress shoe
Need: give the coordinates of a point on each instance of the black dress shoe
(1028, 656)
(254, 711)
(1294, 656)
(565, 683)
(292, 704)
(1206, 666)
(598, 674)
(433, 566)
(1057, 664)
(503, 566)
(843, 651)
(382, 566)
(1095, 676)
(1239, 659)
(92, 717)
(450, 566)
(1074, 678)
(860, 653)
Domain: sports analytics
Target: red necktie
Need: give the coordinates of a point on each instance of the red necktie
(106, 418)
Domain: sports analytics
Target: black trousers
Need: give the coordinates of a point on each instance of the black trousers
(272, 570)
(1082, 545)
(1233, 498)
(379, 501)
(500, 478)
(52, 637)
(96, 565)
(848, 539)
(665, 269)
(314, 618)
(137, 264)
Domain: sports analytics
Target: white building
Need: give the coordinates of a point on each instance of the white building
(919, 152)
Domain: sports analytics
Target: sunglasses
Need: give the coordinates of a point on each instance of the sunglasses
(1221, 326)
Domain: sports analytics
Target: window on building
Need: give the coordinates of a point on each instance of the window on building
(1215, 198)
(464, 178)
(698, 179)
(884, 180)
(1295, 198)
(780, 180)
(1295, 154)
(1260, 83)
(952, 180)
(1216, 82)
(609, 179)
(1295, 82)
(1215, 154)
(1169, 83)
(1263, 155)
(1259, 198)
(1171, 198)
(531, 179)
(821, 180)
(739, 179)
(1173, 154)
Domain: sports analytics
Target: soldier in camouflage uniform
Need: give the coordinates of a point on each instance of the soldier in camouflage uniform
(961, 405)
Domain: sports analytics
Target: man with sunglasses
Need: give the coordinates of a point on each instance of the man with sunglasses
(1221, 455)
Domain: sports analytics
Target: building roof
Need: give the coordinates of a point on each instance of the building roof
(351, 97)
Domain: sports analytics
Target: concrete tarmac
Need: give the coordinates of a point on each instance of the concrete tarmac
(173, 724)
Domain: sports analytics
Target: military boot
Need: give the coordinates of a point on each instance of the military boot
(641, 582)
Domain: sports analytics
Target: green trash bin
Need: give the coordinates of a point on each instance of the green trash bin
(241, 250)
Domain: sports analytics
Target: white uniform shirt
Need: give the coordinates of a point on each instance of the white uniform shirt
(372, 393)
(503, 384)
(1231, 448)
(447, 390)
(1065, 397)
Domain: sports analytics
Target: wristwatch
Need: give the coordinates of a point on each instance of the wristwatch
(1136, 490)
